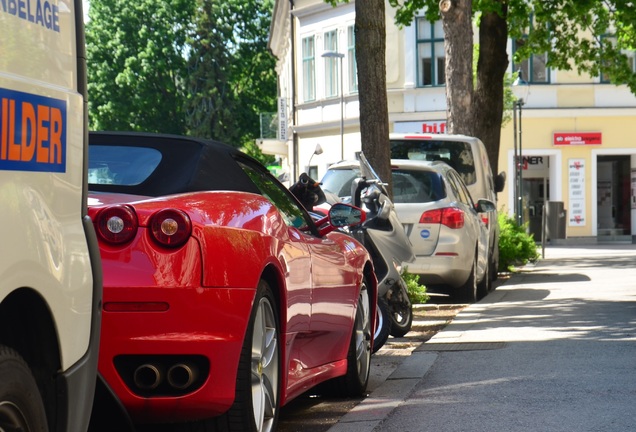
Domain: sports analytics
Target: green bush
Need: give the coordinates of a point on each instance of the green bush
(516, 246)
(417, 291)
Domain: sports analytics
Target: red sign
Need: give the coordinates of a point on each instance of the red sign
(578, 138)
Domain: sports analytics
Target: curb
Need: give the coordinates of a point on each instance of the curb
(369, 413)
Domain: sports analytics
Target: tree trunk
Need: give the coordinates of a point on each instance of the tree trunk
(458, 46)
(489, 91)
(370, 33)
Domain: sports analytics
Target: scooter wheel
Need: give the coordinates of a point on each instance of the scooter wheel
(401, 320)
(383, 325)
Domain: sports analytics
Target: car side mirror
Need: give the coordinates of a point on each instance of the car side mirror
(500, 181)
(485, 206)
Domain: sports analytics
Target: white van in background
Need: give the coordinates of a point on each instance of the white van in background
(50, 270)
(467, 155)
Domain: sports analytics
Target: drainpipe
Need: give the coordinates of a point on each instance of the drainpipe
(293, 95)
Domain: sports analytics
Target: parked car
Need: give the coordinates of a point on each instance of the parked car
(223, 299)
(447, 233)
(468, 156)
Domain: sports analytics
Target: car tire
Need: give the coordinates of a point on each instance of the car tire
(383, 325)
(354, 383)
(494, 261)
(467, 293)
(257, 401)
(21, 406)
(485, 285)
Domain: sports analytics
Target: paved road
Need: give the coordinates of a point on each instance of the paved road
(553, 349)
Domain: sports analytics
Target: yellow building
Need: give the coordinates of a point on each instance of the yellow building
(576, 134)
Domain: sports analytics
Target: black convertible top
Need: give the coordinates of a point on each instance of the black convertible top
(185, 164)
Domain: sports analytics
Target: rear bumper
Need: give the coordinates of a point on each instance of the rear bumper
(441, 270)
(200, 323)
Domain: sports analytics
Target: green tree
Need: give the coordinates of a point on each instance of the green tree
(231, 74)
(569, 31)
(197, 67)
(136, 64)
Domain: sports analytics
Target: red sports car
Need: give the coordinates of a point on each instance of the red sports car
(223, 299)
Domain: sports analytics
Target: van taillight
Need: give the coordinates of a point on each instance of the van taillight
(170, 227)
(451, 217)
(117, 224)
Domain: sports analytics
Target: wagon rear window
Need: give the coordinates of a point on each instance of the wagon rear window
(457, 154)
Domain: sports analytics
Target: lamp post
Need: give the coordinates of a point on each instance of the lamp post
(520, 88)
(334, 54)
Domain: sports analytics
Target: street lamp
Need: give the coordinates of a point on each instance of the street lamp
(520, 88)
(317, 151)
(334, 54)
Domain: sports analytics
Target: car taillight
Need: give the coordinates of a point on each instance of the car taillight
(117, 224)
(451, 217)
(484, 219)
(170, 227)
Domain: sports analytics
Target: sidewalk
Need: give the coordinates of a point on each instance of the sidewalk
(553, 347)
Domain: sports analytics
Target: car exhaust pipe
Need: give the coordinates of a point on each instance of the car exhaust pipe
(181, 376)
(147, 376)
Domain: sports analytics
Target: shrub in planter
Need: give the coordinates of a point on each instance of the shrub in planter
(417, 292)
(516, 246)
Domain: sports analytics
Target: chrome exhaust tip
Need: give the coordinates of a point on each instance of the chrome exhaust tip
(147, 376)
(181, 376)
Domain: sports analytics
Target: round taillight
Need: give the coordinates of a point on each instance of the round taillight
(117, 224)
(170, 227)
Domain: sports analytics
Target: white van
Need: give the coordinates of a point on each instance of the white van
(467, 155)
(50, 271)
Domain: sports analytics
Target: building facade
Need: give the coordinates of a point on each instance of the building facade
(575, 139)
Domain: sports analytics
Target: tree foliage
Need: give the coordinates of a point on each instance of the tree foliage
(197, 67)
(231, 74)
(136, 64)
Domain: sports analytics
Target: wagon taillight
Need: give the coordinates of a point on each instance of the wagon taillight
(450, 216)
(170, 227)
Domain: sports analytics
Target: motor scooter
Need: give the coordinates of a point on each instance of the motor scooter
(382, 235)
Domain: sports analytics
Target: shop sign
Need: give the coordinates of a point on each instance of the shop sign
(532, 163)
(576, 187)
(432, 127)
(578, 138)
(282, 119)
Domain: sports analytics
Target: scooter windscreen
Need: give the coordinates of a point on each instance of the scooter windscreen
(366, 169)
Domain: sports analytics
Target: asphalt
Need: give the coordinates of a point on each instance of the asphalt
(553, 348)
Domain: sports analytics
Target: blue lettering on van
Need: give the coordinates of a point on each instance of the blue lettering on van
(32, 132)
(41, 12)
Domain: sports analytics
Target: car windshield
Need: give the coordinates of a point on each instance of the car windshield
(457, 154)
(339, 180)
(415, 186)
(121, 165)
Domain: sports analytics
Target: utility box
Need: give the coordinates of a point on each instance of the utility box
(556, 216)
